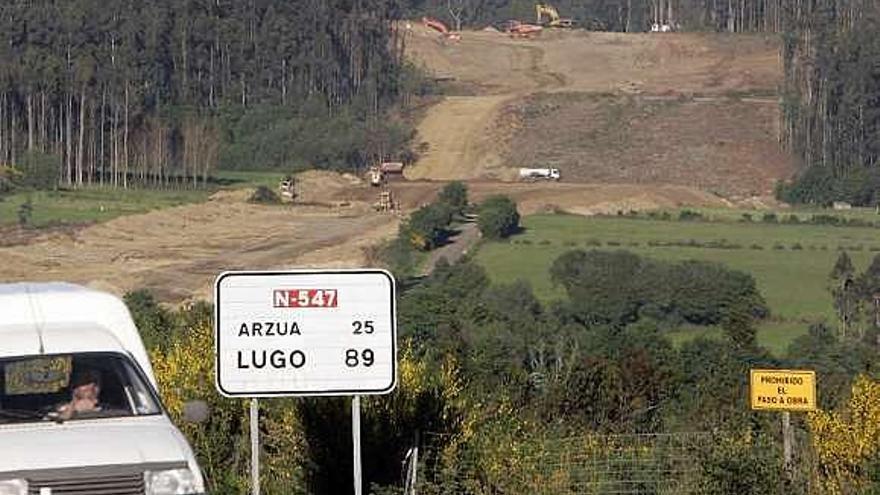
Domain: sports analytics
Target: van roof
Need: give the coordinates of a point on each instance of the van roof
(28, 309)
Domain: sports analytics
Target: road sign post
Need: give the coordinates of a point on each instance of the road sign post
(255, 447)
(305, 333)
(785, 391)
(356, 443)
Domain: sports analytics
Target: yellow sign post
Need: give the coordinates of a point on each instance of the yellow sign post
(783, 390)
(786, 391)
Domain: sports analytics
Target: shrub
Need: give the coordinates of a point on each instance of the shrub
(498, 217)
(792, 219)
(756, 247)
(25, 213)
(265, 196)
(746, 217)
(426, 228)
(689, 215)
(454, 195)
(779, 247)
(796, 246)
(825, 220)
(40, 170)
(769, 218)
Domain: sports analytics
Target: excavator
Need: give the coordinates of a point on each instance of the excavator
(516, 29)
(554, 21)
(441, 28)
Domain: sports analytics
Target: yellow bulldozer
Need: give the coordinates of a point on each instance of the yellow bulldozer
(545, 10)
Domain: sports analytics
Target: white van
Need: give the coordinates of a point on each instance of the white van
(79, 410)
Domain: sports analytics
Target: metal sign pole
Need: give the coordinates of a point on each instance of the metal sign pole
(356, 441)
(255, 447)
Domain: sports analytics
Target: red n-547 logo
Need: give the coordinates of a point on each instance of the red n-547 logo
(304, 298)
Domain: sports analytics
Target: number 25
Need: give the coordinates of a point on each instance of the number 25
(361, 327)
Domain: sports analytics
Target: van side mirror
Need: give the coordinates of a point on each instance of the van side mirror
(196, 411)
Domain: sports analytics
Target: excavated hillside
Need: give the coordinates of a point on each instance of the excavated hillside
(693, 110)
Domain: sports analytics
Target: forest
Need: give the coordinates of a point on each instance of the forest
(157, 91)
(162, 93)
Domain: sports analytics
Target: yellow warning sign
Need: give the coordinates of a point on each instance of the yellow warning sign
(783, 390)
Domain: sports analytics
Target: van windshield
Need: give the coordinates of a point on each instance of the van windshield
(69, 387)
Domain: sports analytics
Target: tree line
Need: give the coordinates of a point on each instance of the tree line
(831, 110)
(121, 91)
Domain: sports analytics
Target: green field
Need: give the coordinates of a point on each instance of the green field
(98, 204)
(790, 263)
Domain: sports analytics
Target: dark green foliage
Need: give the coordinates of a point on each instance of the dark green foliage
(741, 467)
(40, 170)
(154, 322)
(616, 287)
(769, 218)
(830, 107)
(689, 215)
(158, 92)
(273, 136)
(397, 255)
(428, 227)
(498, 217)
(264, 195)
(25, 213)
(455, 195)
(835, 360)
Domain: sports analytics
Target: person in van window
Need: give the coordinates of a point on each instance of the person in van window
(85, 393)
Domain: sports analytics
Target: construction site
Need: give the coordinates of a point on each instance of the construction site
(558, 118)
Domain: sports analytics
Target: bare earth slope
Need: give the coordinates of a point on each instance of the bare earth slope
(641, 108)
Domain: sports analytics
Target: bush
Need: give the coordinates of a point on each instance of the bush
(792, 219)
(498, 217)
(265, 196)
(40, 170)
(8, 178)
(746, 217)
(455, 196)
(25, 213)
(825, 220)
(427, 226)
(689, 215)
(769, 218)
(153, 321)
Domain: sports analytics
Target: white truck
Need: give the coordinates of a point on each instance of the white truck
(79, 410)
(539, 174)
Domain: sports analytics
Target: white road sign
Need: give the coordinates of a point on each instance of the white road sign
(316, 332)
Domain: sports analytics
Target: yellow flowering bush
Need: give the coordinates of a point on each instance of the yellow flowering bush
(845, 440)
(185, 371)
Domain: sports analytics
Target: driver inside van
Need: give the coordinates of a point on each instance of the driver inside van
(85, 392)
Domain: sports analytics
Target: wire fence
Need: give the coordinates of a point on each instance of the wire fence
(666, 463)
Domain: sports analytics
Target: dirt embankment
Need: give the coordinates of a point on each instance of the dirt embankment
(695, 110)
